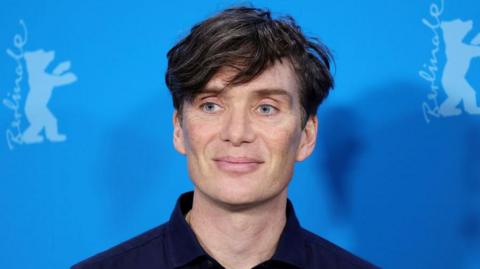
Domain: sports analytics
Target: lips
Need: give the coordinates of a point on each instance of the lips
(240, 165)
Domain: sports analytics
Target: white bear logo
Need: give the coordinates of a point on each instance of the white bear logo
(458, 58)
(41, 85)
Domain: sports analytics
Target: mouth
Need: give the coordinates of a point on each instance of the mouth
(237, 165)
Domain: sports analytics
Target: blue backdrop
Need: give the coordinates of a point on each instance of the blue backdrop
(395, 176)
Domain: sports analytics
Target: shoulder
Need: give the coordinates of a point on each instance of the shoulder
(320, 248)
(138, 247)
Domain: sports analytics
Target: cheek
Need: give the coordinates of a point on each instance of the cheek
(282, 142)
(196, 141)
(198, 134)
(281, 145)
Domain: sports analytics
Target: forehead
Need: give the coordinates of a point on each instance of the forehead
(279, 76)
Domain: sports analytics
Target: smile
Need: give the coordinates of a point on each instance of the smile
(240, 165)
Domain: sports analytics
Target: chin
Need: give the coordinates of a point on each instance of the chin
(232, 195)
(237, 196)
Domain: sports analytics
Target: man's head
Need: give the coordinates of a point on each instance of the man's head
(248, 40)
(246, 88)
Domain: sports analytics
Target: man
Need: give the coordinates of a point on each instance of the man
(246, 88)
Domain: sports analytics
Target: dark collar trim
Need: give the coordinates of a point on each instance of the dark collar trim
(184, 248)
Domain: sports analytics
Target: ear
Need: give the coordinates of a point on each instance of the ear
(178, 138)
(308, 139)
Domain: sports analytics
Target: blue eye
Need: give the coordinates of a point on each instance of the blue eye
(209, 107)
(266, 109)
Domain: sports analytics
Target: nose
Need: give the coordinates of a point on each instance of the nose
(237, 128)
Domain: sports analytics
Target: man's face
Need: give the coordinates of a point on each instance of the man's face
(242, 142)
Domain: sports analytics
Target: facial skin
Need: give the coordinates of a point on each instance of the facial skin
(241, 142)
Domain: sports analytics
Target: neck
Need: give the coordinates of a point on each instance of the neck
(238, 238)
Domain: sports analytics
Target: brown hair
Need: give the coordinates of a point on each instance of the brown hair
(248, 40)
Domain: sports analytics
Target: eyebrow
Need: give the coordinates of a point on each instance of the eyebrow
(259, 92)
(213, 90)
(275, 91)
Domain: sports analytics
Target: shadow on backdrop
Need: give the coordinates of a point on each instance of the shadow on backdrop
(136, 170)
(408, 188)
(341, 145)
(471, 228)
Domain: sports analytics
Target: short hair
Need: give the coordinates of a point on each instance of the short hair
(248, 40)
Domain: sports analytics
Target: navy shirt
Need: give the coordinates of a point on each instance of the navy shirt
(174, 245)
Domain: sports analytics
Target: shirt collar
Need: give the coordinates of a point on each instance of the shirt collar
(291, 247)
(183, 246)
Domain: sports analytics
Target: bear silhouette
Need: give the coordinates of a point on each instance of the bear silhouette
(458, 58)
(41, 85)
